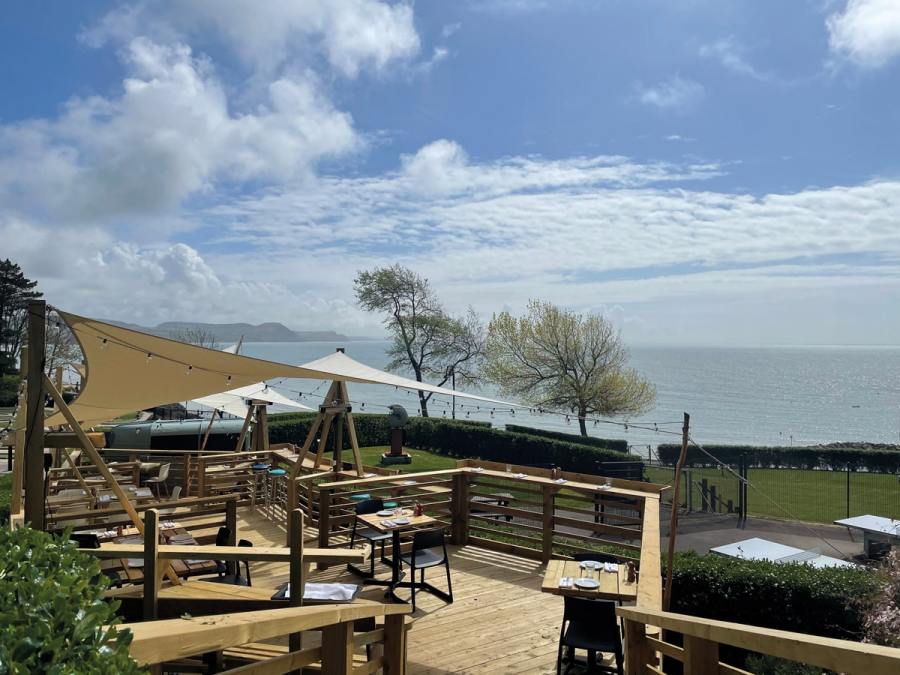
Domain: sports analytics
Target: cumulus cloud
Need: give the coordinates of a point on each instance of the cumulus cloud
(170, 133)
(674, 93)
(867, 32)
(352, 35)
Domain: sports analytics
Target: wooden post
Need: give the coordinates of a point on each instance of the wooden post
(297, 571)
(151, 564)
(323, 440)
(234, 567)
(325, 521)
(713, 499)
(95, 457)
(21, 417)
(637, 655)
(262, 427)
(701, 657)
(337, 649)
(704, 495)
(201, 476)
(459, 504)
(395, 644)
(673, 521)
(339, 443)
(247, 419)
(212, 418)
(34, 425)
(547, 530)
(351, 429)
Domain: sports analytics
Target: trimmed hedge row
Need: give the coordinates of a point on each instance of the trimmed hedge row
(52, 610)
(793, 597)
(882, 461)
(456, 438)
(616, 444)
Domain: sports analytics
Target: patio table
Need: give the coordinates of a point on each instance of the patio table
(874, 529)
(613, 585)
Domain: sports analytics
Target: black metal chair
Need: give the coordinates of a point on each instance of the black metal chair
(222, 538)
(373, 537)
(235, 578)
(89, 540)
(429, 549)
(590, 625)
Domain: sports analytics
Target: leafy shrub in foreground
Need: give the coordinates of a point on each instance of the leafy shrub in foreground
(52, 612)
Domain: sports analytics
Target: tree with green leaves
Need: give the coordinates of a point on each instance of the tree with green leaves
(425, 338)
(556, 359)
(15, 292)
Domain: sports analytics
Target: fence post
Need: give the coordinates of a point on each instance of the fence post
(704, 494)
(325, 522)
(713, 496)
(690, 490)
(701, 657)
(547, 529)
(151, 564)
(201, 476)
(637, 655)
(459, 505)
(337, 649)
(848, 489)
(395, 644)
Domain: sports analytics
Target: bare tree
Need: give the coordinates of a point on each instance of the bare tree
(554, 358)
(202, 337)
(424, 337)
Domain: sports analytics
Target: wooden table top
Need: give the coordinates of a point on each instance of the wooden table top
(374, 521)
(182, 568)
(613, 586)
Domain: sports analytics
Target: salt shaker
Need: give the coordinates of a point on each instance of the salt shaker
(417, 509)
(632, 576)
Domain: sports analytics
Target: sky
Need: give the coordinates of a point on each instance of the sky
(700, 171)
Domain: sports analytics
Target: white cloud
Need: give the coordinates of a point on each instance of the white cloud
(866, 32)
(353, 35)
(731, 55)
(674, 93)
(169, 134)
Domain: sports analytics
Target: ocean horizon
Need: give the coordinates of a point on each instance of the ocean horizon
(762, 395)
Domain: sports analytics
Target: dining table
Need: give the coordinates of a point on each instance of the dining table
(608, 582)
(172, 533)
(395, 523)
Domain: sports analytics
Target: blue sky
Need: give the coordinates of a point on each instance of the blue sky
(702, 171)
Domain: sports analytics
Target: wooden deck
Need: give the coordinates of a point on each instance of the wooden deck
(500, 622)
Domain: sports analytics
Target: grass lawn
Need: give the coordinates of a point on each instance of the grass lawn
(422, 460)
(811, 496)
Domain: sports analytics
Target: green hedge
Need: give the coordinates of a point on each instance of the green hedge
(9, 390)
(616, 444)
(52, 610)
(884, 461)
(457, 438)
(792, 597)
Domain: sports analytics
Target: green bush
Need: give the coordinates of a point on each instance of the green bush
(5, 496)
(883, 461)
(457, 438)
(616, 444)
(793, 597)
(52, 610)
(9, 390)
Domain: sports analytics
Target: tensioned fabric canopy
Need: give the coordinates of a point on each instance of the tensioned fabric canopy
(234, 401)
(127, 370)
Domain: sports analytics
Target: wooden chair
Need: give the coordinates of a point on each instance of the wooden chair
(590, 625)
(429, 549)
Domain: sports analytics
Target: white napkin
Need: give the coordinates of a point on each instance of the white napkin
(610, 567)
(560, 480)
(566, 582)
(335, 592)
(519, 475)
(388, 523)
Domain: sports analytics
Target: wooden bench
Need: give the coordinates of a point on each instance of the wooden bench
(499, 498)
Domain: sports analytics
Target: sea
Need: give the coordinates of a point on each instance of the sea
(750, 395)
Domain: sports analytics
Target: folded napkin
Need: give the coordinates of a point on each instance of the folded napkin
(519, 475)
(135, 562)
(566, 582)
(610, 567)
(333, 592)
(560, 480)
(388, 523)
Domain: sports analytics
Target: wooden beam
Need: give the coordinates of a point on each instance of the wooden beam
(351, 429)
(395, 644)
(240, 442)
(337, 649)
(673, 521)
(212, 418)
(330, 556)
(297, 571)
(33, 471)
(95, 457)
(15, 503)
(62, 439)
(151, 564)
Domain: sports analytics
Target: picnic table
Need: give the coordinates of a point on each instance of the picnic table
(874, 529)
(133, 568)
(612, 585)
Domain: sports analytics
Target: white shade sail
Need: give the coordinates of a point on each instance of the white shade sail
(127, 370)
(234, 402)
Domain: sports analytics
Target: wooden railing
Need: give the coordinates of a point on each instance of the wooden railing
(158, 642)
(699, 652)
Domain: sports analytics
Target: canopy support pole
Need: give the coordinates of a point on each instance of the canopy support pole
(15, 503)
(240, 443)
(95, 457)
(33, 469)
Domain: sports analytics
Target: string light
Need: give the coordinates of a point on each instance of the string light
(103, 342)
(189, 369)
(149, 357)
(228, 380)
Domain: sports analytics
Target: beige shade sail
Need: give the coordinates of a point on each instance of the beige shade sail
(127, 370)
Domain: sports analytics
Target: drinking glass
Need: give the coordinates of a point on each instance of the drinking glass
(607, 482)
(509, 468)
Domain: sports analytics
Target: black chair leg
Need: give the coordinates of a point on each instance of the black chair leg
(449, 585)
(413, 585)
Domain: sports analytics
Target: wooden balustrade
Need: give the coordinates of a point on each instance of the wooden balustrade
(701, 639)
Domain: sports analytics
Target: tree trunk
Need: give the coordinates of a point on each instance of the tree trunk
(582, 422)
(423, 404)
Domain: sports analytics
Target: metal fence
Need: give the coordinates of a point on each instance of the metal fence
(811, 495)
